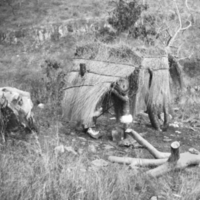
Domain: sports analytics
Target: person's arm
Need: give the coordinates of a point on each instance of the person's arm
(123, 98)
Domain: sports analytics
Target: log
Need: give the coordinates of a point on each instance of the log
(157, 154)
(134, 162)
(166, 162)
(176, 161)
(174, 152)
(186, 159)
(147, 162)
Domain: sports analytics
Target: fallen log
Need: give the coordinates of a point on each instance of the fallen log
(157, 154)
(186, 159)
(166, 162)
(134, 162)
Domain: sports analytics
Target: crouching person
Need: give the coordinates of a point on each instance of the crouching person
(122, 105)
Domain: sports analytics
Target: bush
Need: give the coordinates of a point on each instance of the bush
(106, 35)
(144, 30)
(125, 15)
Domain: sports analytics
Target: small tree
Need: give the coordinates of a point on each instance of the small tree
(125, 15)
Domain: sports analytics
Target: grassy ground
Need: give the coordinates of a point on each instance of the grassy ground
(32, 169)
(35, 169)
(36, 12)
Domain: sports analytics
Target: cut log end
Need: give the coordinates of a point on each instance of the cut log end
(175, 155)
(175, 145)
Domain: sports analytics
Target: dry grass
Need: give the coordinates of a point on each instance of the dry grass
(35, 171)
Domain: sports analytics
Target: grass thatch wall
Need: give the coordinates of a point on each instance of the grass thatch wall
(159, 87)
(83, 94)
(154, 88)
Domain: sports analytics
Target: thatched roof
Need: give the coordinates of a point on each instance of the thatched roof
(83, 93)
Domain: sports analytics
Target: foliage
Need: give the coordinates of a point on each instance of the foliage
(106, 35)
(54, 81)
(126, 15)
(145, 29)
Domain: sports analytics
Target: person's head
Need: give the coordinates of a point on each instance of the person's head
(122, 86)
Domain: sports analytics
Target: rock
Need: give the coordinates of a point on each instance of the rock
(100, 163)
(81, 138)
(193, 151)
(113, 118)
(41, 105)
(176, 109)
(129, 141)
(92, 148)
(83, 170)
(59, 149)
(154, 198)
(177, 195)
(70, 149)
(178, 132)
(80, 151)
(73, 140)
(166, 139)
(108, 147)
(175, 125)
(94, 133)
(73, 133)
(83, 143)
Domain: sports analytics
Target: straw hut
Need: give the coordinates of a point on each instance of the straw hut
(87, 84)
(154, 94)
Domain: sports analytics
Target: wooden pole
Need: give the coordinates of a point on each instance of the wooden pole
(82, 69)
(157, 154)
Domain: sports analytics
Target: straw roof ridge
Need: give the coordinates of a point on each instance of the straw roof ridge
(152, 52)
(105, 61)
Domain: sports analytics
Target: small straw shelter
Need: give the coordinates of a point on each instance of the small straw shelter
(90, 81)
(85, 91)
(154, 86)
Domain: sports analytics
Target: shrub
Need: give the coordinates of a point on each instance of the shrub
(125, 15)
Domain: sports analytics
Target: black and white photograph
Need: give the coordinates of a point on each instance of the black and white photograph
(99, 99)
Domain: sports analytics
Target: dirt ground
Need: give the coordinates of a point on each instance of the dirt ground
(104, 146)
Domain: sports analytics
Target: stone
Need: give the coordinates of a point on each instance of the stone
(80, 151)
(193, 151)
(108, 147)
(70, 149)
(73, 133)
(166, 139)
(100, 163)
(178, 132)
(81, 138)
(92, 148)
(154, 198)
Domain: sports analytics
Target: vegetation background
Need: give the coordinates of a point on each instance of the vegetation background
(38, 40)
